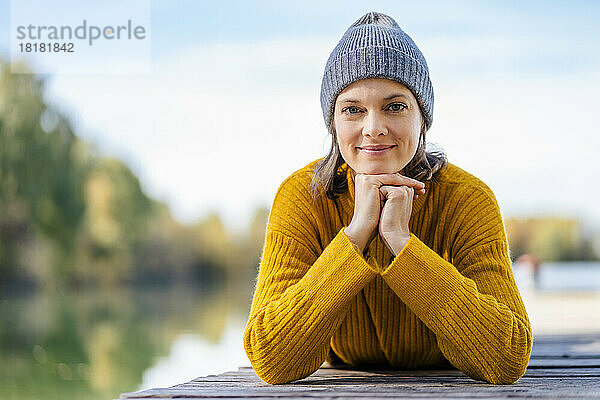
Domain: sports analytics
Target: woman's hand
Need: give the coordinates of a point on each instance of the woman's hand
(395, 216)
(369, 201)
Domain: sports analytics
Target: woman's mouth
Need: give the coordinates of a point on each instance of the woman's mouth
(376, 150)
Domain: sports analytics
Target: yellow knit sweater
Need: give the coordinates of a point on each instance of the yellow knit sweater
(448, 296)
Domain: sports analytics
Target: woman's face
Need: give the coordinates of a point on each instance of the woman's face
(377, 122)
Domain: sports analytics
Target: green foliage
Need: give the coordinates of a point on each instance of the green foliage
(550, 239)
(69, 215)
(41, 179)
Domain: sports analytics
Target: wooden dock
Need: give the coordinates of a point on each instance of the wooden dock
(561, 367)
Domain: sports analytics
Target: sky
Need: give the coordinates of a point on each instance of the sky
(230, 106)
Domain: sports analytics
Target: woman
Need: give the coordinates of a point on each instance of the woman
(382, 253)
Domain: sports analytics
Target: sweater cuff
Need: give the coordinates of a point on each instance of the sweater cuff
(423, 280)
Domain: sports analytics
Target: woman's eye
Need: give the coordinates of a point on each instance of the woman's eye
(396, 107)
(351, 110)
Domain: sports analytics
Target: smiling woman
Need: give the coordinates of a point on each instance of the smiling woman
(377, 122)
(382, 253)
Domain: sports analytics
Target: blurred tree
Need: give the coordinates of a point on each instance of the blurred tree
(41, 175)
(549, 238)
(115, 224)
(70, 215)
(250, 245)
(213, 245)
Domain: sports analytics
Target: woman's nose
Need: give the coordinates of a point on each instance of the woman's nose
(374, 125)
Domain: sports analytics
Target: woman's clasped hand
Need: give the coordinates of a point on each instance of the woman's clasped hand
(383, 204)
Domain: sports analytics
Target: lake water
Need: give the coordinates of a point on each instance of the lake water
(559, 276)
(570, 276)
(96, 344)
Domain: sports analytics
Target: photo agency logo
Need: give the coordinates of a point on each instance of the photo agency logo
(63, 38)
(66, 33)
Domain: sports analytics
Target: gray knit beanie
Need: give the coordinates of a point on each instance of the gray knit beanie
(375, 46)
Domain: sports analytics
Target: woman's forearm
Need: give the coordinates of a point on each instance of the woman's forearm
(479, 319)
(297, 306)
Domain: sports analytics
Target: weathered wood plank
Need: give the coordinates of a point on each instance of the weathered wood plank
(366, 387)
(566, 346)
(561, 367)
(538, 383)
(566, 362)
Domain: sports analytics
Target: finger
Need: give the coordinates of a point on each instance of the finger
(396, 179)
(410, 181)
(399, 180)
(386, 188)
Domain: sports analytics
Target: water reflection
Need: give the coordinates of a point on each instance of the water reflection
(96, 344)
(192, 356)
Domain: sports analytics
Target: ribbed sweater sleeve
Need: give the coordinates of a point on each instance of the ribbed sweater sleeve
(302, 292)
(472, 304)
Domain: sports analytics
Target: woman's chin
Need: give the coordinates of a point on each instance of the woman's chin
(377, 169)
